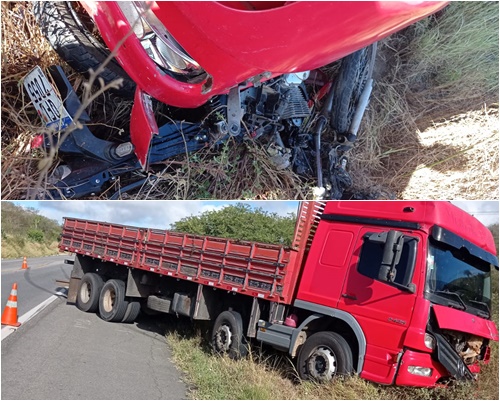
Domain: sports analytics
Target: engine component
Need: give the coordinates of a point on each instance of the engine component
(234, 111)
(271, 106)
(468, 346)
(296, 105)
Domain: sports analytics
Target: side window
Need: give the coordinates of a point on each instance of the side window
(371, 258)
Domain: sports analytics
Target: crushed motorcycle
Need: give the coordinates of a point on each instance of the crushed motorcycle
(296, 76)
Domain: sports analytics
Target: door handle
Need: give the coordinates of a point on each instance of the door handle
(353, 297)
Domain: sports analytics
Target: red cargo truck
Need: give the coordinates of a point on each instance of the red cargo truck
(397, 292)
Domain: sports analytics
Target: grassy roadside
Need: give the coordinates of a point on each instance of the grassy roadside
(272, 376)
(17, 247)
(431, 130)
(26, 233)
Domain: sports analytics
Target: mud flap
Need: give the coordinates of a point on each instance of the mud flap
(142, 126)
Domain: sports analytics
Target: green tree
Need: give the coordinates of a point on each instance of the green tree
(27, 223)
(241, 222)
(35, 235)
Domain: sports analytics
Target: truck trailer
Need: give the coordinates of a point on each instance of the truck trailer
(397, 292)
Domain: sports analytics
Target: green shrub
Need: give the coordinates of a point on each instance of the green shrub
(35, 235)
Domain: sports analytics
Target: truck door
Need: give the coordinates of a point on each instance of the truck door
(383, 308)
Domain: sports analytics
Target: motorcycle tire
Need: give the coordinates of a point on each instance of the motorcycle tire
(355, 71)
(70, 37)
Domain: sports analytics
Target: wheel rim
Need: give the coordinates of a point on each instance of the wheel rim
(223, 338)
(322, 364)
(85, 292)
(108, 301)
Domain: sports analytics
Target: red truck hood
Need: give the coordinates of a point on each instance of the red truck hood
(452, 319)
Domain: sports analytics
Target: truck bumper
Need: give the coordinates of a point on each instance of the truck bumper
(413, 362)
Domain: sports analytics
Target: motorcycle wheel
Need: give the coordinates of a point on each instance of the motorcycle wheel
(355, 71)
(72, 34)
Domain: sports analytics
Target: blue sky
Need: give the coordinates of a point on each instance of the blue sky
(154, 214)
(160, 214)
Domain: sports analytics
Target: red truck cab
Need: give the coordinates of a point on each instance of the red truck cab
(395, 291)
(429, 318)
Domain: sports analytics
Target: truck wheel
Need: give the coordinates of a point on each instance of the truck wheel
(74, 37)
(227, 335)
(112, 303)
(87, 298)
(133, 309)
(323, 356)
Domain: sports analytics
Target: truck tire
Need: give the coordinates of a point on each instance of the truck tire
(87, 297)
(65, 29)
(112, 303)
(324, 355)
(133, 309)
(355, 70)
(227, 335)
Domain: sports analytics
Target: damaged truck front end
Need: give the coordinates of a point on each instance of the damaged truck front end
(455, 320)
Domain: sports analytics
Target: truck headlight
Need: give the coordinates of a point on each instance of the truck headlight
(429, 341)
(159, 44)
(420, 371)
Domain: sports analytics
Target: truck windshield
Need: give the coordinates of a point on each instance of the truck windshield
(457, 279)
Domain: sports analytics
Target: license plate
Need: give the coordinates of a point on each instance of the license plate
(47, 103)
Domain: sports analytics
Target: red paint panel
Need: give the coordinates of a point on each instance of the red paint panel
(453, 319)
(415, 335)
(142, 126)
(323, 276)
(380, 365)
(233, 44)
(412, 358)
(336, 249)
(425, 213)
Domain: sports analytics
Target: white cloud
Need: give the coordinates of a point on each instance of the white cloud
(485, 211)
(155, 214)
(161, 214)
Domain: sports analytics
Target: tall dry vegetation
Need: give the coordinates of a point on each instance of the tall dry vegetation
(432, 129)
(26, 233)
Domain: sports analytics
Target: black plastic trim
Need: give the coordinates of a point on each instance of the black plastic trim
(371, 221)
(449, 358)
(446, 236)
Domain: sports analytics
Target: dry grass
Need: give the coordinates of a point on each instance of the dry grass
(234, 170)
(433, 119)
(16, 247)
(23, 48)
(270, 375)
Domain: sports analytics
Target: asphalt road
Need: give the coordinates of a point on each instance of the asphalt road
(64, 353)
(35, 284)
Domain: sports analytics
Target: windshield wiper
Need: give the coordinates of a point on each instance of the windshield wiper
(453, 294)
(482, 304)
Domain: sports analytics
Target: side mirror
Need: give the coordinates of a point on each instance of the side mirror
(393, 247)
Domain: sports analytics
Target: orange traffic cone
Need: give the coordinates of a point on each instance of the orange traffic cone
(25, 264)
(9, 315)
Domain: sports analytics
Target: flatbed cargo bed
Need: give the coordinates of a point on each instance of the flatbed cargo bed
(252, 268)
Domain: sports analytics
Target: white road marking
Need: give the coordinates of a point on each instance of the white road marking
(8, 330)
